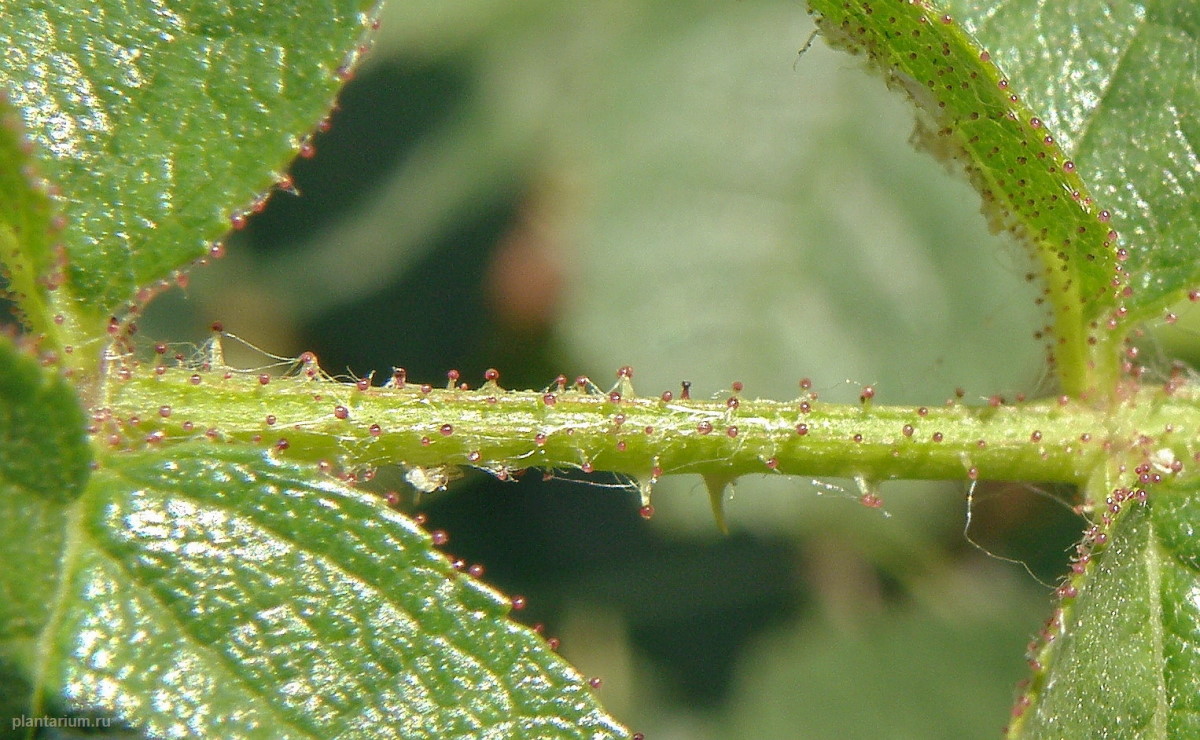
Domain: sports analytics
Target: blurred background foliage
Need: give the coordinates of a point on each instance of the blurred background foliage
(548, 187)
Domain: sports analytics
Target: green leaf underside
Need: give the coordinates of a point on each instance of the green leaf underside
(219, 593)
(25, 233)
(1028, 185)
(1128, 663)
(1118, 84)
(155, 122)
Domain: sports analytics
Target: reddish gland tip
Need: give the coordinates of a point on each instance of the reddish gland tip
(646, 511)
(341, 412)
(491, 374)
(518, 603)
(446, 430)
(439, 537)
(738, 386)
(594, 682)
(264, 379)
(625, 372)
(217, 327)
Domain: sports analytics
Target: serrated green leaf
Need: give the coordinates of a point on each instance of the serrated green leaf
(1126, 663)
(1028, 184)
(1119, 84)
(156, 122)
(26, 256)
(214, 592)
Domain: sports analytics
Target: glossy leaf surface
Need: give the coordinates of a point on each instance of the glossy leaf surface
(158, 122)
(213, 592)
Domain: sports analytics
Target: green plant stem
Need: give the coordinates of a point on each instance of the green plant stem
(643, 437)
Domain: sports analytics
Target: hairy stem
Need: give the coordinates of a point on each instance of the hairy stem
(308, 418)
